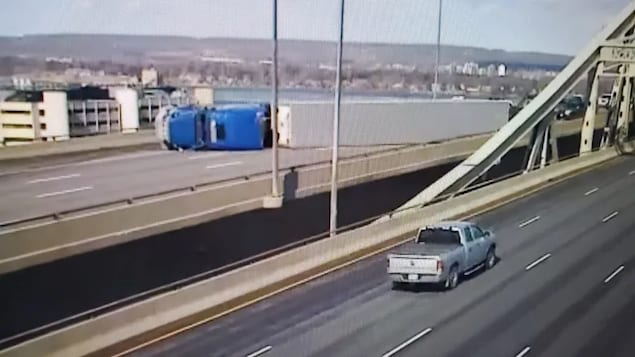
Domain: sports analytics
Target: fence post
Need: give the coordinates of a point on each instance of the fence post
(108, 116)
(84, 112)
(149, 109)
(97, 115)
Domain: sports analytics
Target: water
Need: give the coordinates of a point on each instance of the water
(233, 95)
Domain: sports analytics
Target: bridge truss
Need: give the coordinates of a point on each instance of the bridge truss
(610, 54)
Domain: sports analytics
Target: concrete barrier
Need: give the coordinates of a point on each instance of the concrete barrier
(129, 326)
(90, 229)
(79, 146)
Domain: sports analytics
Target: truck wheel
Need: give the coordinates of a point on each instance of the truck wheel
(453, 278)
(397, 285)
(490, 260)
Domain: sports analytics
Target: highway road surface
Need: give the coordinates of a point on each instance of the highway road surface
(564, 287)
(49, 189)
(61, 185)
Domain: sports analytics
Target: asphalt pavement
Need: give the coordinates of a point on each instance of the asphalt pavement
(563, 287)
(34, 191)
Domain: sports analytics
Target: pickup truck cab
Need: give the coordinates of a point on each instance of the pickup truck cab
(440, 254)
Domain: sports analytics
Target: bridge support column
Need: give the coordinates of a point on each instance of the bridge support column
(625, 111)
(553, 139)
(545, 147)
(539, 145)
(611, 117)
(588, 125)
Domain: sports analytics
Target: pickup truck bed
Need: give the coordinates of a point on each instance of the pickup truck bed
(413, 248)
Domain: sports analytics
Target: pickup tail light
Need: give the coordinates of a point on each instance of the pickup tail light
(439, 265)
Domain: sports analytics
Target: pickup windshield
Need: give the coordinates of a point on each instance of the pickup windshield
(439, 236)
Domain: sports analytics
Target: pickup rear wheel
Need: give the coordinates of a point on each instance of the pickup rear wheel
(397, 285)
(453, 278)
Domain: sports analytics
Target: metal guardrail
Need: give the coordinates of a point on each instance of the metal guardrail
(24, 336)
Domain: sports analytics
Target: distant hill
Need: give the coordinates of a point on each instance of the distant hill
(138, 48)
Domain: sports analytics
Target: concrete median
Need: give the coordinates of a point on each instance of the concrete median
(158, 316)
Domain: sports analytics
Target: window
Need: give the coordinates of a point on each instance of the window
(220, 131)
(439, 236)
(199, 129)
(477, 232)
(468, 234)
(9, 111)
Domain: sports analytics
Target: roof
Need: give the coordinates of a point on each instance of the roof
(457, 224)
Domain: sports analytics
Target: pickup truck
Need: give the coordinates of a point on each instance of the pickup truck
(440, 254)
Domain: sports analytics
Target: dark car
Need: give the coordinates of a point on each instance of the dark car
(572, 107)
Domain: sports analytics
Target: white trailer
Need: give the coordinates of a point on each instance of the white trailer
(369, 123)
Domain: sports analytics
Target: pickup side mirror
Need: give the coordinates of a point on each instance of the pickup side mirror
(487, 234)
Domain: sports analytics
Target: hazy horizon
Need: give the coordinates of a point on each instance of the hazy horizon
(262, 39)
(546, 26)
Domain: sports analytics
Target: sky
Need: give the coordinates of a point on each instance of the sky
(553, 26)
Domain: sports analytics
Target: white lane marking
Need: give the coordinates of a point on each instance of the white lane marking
(58, 193)
(203, 156)
(260, 351)
(524, 351)
(631, 173)
(617, 271)
(407, 343)
(225, 164)
(526, 223)
(56, 178)
(538, 261)
(610, 217)
(88, 162)
(591, 191)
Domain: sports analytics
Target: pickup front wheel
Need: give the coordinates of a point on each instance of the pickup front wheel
(490, 260)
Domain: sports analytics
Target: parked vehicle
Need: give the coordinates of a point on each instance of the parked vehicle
(572, 107)
(604, 100)
(440, 254)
